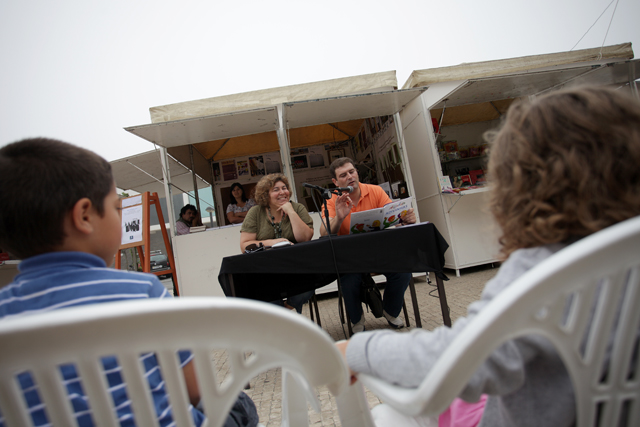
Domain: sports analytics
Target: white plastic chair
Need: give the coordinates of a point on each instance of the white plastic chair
(535, 304)
(40, 343)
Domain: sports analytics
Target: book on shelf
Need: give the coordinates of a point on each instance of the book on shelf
(466, 180)
(379, 218)
(445, 183)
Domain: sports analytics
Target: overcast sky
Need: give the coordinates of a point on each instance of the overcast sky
(82, 70)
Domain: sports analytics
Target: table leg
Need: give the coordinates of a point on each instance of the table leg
(443, 302)
(232, 288)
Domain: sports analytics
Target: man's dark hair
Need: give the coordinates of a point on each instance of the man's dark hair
(185, 208)
(338, 163)
(40, 181)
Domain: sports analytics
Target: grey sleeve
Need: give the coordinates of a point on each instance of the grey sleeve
(406, 358)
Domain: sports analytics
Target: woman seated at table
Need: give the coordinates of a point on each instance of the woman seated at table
(276, 219)
(240, 204)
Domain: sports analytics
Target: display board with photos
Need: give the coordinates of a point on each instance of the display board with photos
(247, 168)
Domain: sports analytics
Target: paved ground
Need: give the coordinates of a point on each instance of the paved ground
(266, 388)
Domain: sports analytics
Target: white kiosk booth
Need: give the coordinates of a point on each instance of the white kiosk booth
(390, 133)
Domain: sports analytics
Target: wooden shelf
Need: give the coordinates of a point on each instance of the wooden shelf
(462, 160)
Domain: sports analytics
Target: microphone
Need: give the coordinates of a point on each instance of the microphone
(348, 189)
(315, 187)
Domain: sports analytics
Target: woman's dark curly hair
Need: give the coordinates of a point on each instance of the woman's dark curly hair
(565, 165)
(264, 186)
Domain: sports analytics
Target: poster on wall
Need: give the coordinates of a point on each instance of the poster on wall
(299, 162)
(229, 170)
(316, 157)
(402, 189)
(256, 164)
(272, 163)
(131, 225)
(387, 189)
(243, 168)
(395, 192)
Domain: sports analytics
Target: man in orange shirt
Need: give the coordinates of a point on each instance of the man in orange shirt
(362, 198)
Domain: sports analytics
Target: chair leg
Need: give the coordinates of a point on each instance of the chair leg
(341, 309)
(406, 315)
(313, 303)
(414, 300)
(311, 308)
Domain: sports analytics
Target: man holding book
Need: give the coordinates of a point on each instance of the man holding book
(362, 198)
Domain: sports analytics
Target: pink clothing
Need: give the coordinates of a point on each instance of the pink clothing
(182, 228)
(463, 414)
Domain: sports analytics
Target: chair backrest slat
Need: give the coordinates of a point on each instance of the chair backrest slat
(96, 388)
(174, 383)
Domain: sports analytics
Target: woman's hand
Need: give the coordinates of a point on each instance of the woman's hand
(286, 209)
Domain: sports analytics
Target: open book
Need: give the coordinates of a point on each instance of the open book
(379, 218)
(197, 228)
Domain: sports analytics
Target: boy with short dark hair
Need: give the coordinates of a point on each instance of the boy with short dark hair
(65, 253)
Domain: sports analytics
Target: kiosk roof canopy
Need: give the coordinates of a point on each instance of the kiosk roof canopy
(523, 64)
(143, 172)
(376, 82)
(315, 114)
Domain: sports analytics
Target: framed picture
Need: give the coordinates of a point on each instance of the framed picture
(299, 162)
(402, 189)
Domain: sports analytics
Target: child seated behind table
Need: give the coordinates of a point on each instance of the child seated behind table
(562, 166)
(65, 252)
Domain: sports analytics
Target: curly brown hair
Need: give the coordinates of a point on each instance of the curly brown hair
(265, 185)
(564, 166)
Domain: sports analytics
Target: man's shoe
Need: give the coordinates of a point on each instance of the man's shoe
(394, 322)
(358, 327)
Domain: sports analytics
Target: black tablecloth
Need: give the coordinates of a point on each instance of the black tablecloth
(280, 272)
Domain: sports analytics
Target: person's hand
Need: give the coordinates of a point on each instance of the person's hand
(287, 209)
(344, 204)
(197, 220)
(408, 218)
(342, 347)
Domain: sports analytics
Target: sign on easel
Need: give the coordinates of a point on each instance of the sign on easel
(132, 222)
(136, 232)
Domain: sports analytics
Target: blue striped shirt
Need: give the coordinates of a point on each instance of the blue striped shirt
(66, 279)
